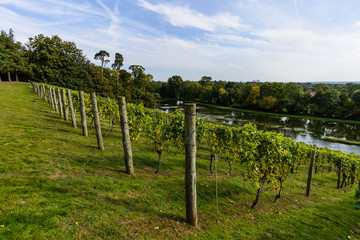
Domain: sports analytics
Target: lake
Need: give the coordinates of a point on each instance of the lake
(301, 130)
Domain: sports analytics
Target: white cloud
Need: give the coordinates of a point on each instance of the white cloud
(269, 53)
(183, 16)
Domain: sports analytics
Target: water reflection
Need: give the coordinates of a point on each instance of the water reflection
(301, 130)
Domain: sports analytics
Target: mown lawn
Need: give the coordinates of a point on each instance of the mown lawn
(55, 184)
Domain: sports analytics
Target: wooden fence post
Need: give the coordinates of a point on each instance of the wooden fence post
(52, 98)
(65, 111)
(83, 113)
(97, 121)
(126, 136)
(190, 164)
(61, 108)
(49, 96)
(339, 176)
(55, 99)
(41, 91)
(44, 93)
(310, 173)
(216, 184)
(71, 107)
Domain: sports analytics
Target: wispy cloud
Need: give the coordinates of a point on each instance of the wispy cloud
(297, 13)
(183, 16)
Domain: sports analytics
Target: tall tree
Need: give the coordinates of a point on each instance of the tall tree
(174, 84)
(118, 63)
(356, 97)
(101, 56)
(58, 62)
(12, 58)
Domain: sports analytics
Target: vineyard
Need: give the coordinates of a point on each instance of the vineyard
(267, 156)
(263, 164)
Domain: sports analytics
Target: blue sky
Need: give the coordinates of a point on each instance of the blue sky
(233, 40)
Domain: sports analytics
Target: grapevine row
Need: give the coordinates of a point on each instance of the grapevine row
(269, 157)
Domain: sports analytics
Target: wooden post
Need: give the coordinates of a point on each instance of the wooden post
(16, 77)
(216, 184)
(52, 102)
(126, 136)
(0, 78)
(83, 113)
(52, 98)
(339, 176)
(190, 164)
(311, 167)
(71, 107)
(44, 93)
(41, 92)
(61, 108)
(97, 121)
(55, 99)
(65, 110)
(49, 96)
(9, 77)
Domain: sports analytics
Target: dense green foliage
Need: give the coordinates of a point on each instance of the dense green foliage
(12, 58)
(54, 61)
(325, 100)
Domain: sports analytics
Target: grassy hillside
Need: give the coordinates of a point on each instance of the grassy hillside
(55, 184)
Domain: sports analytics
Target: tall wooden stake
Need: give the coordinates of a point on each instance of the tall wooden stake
(97, 121)
(44, 93)
(339, 176)
(65, 110)
(55, 99)
(126, 136)
(311, 167)
(216, 185)
(49, 97)
(61, 108)
(71, 107)
(83, 113)
(190, 164)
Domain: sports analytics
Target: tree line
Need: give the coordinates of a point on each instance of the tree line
(53, 61)
(323, 100)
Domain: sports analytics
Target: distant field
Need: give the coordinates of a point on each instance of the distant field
(55, 184)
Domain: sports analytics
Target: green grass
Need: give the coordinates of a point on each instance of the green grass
(339, 140)
(55, 184)
(280, 114)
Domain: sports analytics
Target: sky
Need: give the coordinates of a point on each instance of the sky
(232, 40)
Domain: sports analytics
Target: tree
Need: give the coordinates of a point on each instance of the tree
(99, 84)
(140, 86)
(253, 95)
(356, 97)
(174, 85)
(101, 56)
(274, 89)
(118, 63)
(205, 80)
(58, 62)
(268, 103)
(12, 58)
(141, 80)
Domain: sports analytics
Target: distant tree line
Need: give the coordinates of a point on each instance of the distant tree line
(323, 100)
(54, 61)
